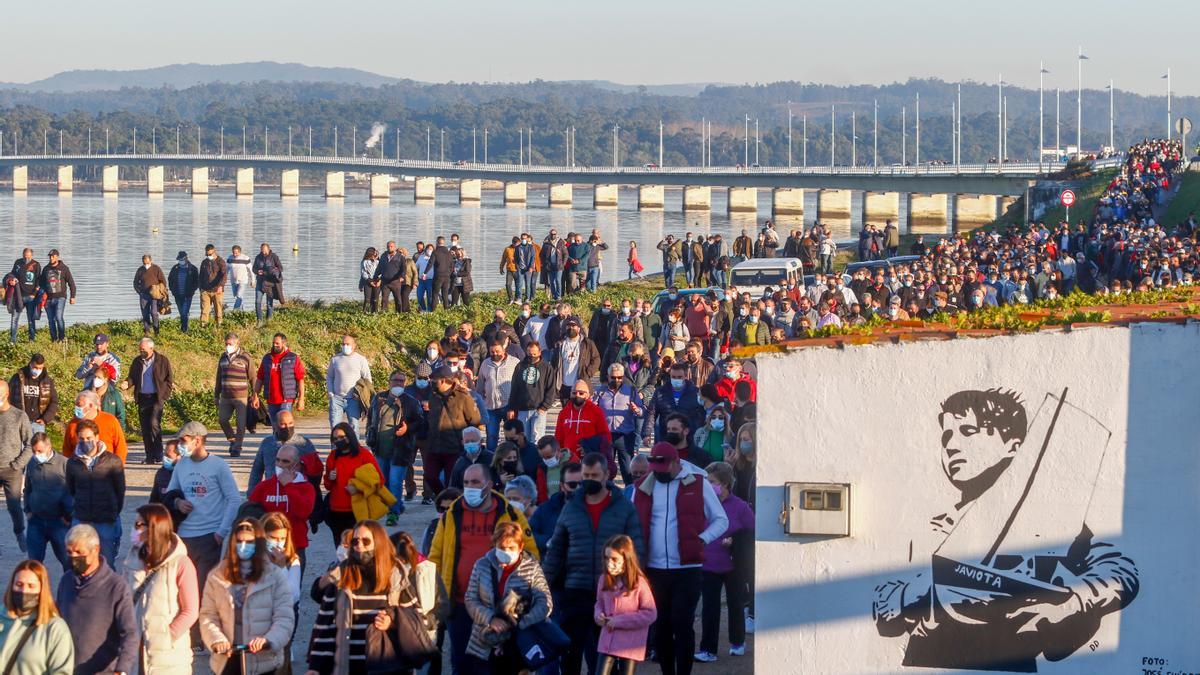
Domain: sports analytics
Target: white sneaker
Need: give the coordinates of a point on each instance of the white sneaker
(737, 650)
(750, 625)
(705, 657)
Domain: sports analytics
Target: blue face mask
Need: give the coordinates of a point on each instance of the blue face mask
(422, 384)
(506, 557)
(168, 464)
(245, 550)
(274, 546)
(78, 413)
(471, 449)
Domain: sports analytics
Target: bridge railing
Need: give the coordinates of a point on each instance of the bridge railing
(385, 165)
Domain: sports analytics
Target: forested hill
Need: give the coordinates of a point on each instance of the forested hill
(592, 108)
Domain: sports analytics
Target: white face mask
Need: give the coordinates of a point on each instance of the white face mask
(473, 496)
(396, 391)
(506, 557)
(147, 265)
(550, 462)
(347, 350)
(230, 349)
(279, 471)
(432, 354)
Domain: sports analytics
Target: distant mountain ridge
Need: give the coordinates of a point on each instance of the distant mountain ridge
(182, 75)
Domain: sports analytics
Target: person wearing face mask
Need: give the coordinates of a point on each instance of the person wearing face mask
(96, 603)
(341, 472)
(247, 601)
(624, 609)
(506, 464)
(680, 514)
(288, 492)
(152, 380)
(451, 410)
(395, 424)
(676, 395)
(522, 494)
(162, 480)
(723, 568)
(462, 537)
(506, 570)
(575, 556)
(581, 420)
(111, 401)
(494, 384)
(532, 390)
(525, 260)
(347, 378)
(711, 438)
(183, 280)
(16, 434)
(623, 408)
(96, 483)
(87, 407)
(166, 595)
(732, 373)
(32, 390)
(150, 284)
(203, 489)
(548, 474)
(234, 391)
(280, 378)
(31, 611)
(474, 452)
(95, 359)
(211, 281)
(283, 432)
(48, 504)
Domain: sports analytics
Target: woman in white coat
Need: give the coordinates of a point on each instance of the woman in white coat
(246, 601)
(166, 595)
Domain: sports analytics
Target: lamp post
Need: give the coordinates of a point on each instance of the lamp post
(875, 134)
(1167, 77)
(917, 152)
(1079, 104)
(660, 143)
(1000, 119)
(804, 147)
(1111, 144)
(746, 139)
(789, 134)
(616, 139)
(832, 135)
(1041, 112)
(442, 145)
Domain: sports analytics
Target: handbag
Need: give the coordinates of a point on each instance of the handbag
(405, 646)
(541, 643)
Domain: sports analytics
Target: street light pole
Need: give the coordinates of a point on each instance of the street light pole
(1111, 117)
(442, 145)
(472, 145)
(485, 145)
(875, 134)
(789, 134)
(1000, 119)
(917, 160)
(832, 135)
(903, 136)
(746, 138)
(1169, 129)
(958, 127)
(1041, 111)
(428, 145)
(853, 138)
(660, 143)
(1057, 121)
(804, 148)
(1079, 104)
(616, 154)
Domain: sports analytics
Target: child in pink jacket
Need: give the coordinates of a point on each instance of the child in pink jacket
(624, 609)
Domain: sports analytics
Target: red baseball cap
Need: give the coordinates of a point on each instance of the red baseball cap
(662, 455)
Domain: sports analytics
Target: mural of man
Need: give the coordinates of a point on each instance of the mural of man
(997, 612)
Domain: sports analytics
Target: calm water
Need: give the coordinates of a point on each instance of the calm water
(102, 237)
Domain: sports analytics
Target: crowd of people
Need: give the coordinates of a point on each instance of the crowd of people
(598, 541)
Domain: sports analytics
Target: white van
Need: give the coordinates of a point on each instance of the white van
(754, 275)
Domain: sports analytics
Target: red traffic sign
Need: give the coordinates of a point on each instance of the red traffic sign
(1067, 198)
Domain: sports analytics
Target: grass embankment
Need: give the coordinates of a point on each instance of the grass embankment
(314, 331)
(1186, 200)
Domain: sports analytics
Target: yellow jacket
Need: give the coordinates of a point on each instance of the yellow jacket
(444, 549)
(372, 499)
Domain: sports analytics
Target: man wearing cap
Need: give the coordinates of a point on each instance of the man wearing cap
(57, 283)
(152, 380)
(149, 283)
(450, 411)
(87, 407)
(183, 281)
(234, 391)
(680, 514)
(212, 284)
(95, 358)
(203, 489)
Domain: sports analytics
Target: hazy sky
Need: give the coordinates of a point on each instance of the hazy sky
(642, 41)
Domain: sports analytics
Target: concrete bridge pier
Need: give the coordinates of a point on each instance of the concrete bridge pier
(335, 184)
(812, 206)
(200, 180)
(289, 183)
(516, 193)
(470, 191)
(154, 180)
(834, 204)
(927, 209)
(974, 211)
(605, 197)
(20, 178)
(951, 212)
(651, 197)
(697, 198)
(858, 210)
(244, 183)
(425, 189)
(742, 200)
(66, 179)
(110, 179)
(1003, 203)
(904, 212)
(381, 186)
(562, 194)
(787, 202)
(880, 207)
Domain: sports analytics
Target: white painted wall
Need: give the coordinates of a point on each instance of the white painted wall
(868, 416)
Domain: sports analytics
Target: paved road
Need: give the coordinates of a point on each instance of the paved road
(140, 478)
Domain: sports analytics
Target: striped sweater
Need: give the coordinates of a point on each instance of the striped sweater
(235, 376)
(344, 610)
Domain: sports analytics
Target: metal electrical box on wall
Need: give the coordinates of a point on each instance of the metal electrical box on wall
(817, 508)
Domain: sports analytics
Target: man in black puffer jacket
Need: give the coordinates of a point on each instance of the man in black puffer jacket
(575, 557)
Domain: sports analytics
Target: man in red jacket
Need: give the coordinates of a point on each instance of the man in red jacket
(729, 379)
(289, 492)
(580, 420)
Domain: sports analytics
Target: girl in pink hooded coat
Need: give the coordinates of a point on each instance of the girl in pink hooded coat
(624, 609)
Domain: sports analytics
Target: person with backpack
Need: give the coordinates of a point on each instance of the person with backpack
(25, 275)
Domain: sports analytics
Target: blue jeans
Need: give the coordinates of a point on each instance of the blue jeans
(593, 278)
(237, 294)
(554, 280)
(261, 299)
(149, 313)
(718, 276)
(688, 276)
(535, 423)
(669, 275)
(525, 285)
(41, 531)
(348, 406)
(425, 295)
(274, 409)
(393, 477)
(459, 631)
(184, 305)
(31, 312)
(492, 420)
(110, 539)
(54, 317)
